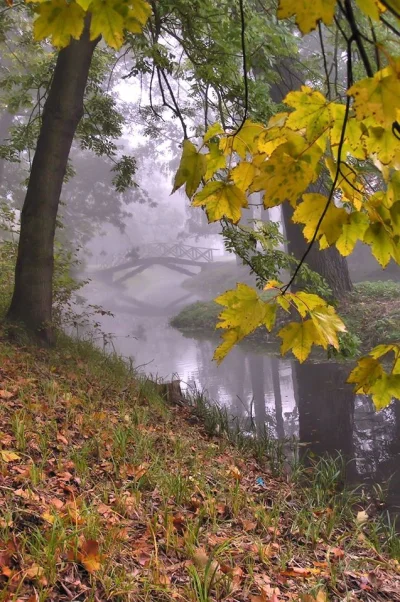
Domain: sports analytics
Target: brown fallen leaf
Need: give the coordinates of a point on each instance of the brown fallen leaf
(6, 394)
(62, 439)
(89, 556)
(248, 525)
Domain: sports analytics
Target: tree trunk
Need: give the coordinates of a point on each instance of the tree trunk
(327, 263)
(32, 299)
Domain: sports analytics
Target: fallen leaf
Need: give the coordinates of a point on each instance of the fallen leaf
(362, 517)
(9, 456)
(248, 525)
(62, 439)
(89, 555)
(5, 394)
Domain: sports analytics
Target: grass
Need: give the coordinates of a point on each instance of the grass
(371, 313)
(107, 493)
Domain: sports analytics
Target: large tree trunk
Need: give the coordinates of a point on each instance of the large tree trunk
(32, 299)
(328, 263)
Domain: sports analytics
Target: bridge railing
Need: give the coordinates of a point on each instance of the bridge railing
(176, 250)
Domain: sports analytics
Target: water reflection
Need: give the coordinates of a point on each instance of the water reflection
(310, 402)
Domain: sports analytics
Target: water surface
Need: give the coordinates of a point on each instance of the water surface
(310, 402)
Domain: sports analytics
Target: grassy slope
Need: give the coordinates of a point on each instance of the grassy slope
(108, 494)
(372, 312)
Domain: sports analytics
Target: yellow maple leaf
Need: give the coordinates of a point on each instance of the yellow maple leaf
(355, 130)
(305, 302)
(215, 160)
(309, 212)
(312, 112)
(243, 174)
(243, 312)
(59, 21)
(376, 99)
(382, 142)
(328, 324)
(191, 169)
(349, 182)
(299, 337)
(220, 200)
(244, 142)
(370, 378)
(111, 17)
(308, 12)
(352, 231)
(212, 131)
(368, 369)
(381, 243)
(288, 172)
(371, 8)
(84, 3)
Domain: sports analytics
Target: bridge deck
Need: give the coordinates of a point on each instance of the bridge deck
(184, 254)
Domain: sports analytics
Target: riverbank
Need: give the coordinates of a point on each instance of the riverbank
(371, 313)
(108, 492)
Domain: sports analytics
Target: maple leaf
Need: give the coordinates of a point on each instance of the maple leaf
(352, 231)
(348, 182)
(244, 142)
(376, 98)
(308, 12)
(221, 199)
(355, 130)
(89, 556)
(304, 302)
(309, 213)
(383, 143)
(243, 175)
(367, 371)
(381, 242)
(215, 160)
(371, 8)
(191, 169)
(212, 131)
(299, 337)
(312, 112)
(328, 324)
(244, 312)
(283, 177)
(109, 19)
(59, 21)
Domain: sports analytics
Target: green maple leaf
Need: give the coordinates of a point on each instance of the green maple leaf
(191, 169)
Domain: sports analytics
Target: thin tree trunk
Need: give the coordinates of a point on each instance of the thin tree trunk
(32, 299)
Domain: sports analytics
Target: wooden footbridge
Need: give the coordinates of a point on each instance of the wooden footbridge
(174, 256)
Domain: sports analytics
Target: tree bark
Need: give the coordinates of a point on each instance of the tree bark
(328, 263)
(32, 299)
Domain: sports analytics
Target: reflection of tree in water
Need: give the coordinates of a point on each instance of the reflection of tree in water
(377, 445)
(326, 409)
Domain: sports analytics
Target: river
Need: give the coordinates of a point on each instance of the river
(309, 402)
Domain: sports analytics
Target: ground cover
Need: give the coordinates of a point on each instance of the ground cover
(109, 493)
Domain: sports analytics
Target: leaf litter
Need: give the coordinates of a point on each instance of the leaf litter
(108, 494)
